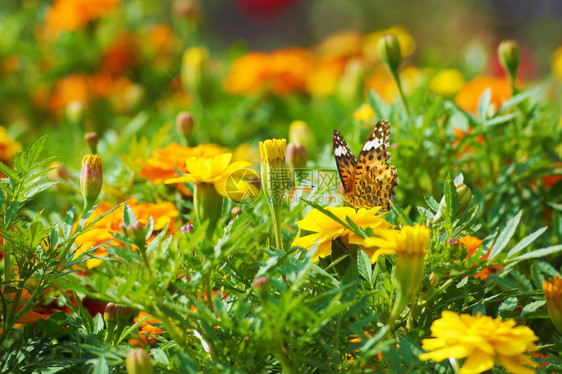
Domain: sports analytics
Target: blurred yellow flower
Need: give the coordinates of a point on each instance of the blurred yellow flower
(69, 15)
(553, 295)
(446, 82)
(324, 229)
(407, 42)
(380, 81)
(340, 46)
(557, 63)
(364, 113)
(324, 78)
(483, 341)
(8, 147)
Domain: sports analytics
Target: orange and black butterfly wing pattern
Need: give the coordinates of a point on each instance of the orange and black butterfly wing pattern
(345, 161)
(375, 180)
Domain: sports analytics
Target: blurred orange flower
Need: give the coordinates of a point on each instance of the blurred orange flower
(122, 54)
(469, 96)
(162, 214)
(281, 72)
(148, 329)
(548, 180)
(471, 243)
(69, 15)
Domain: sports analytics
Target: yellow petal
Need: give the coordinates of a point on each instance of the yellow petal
(514, 364)
(183, 179)
(477, 362)
(456, 351)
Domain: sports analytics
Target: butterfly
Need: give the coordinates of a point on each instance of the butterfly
(368, 181)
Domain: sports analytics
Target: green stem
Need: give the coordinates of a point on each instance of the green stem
(402, 96)
(284, 360)
(275, 209)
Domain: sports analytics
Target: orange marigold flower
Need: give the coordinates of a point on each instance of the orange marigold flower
(122, 54)
(281, 72)
(148, 330)
(162, 214)
(69, 15)
(471, 243)
(469, 96)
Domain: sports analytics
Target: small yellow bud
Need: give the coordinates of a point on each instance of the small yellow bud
(300, 133)
(464, 195)
(509, 55)
(389, 50)
(138, 362)
(91, 179)
(116, 313)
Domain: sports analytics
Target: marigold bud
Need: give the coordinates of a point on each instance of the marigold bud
(187, 228)
(553, 295)
(261, 285)
(91, 179)
(184, 126)
(138, 362)
(74, 111)
(116, 313)
(58, 172)
(92, 139)
(235, 211)
(300, 133)
(389, 50)
(135, 232)
(509, 55)
(296, 156)
(464, 195)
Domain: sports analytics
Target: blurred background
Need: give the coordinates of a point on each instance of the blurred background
(250, 66)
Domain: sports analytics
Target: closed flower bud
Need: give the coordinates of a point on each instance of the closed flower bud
(138, 362)
(91, 179)
(58, 172)
(184, 126)
(296, 156)
(74, 111)
(553, 295)
(187, 228)
(261, 286)
(389, 50)
(135, 232)
(116, 313)
(300, 133)
(509, 55)
(464, 195)
(92, 139)
(236, 211)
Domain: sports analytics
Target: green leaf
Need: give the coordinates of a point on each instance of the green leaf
(505, 236)
(364, 266)
(515, 100)
(538, 253)
(532, 307)
(431, 202)
(484, 104)
(508, 305)
(12, 174)
(186, 364)
(526, 241)
(499, 120)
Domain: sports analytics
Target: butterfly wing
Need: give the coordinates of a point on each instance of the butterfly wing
(345, 161)
(375, 180)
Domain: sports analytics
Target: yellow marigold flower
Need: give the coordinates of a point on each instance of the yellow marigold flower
(273, 150)
(483, 341)
(557, 63)
(410, 240)
(69, 15)
(324, 78)
(324, 229)
(364, 114)
(8, 146)
(553, 294)
(341, 46)
(447, 82)
(165, 162)
(220, 172)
